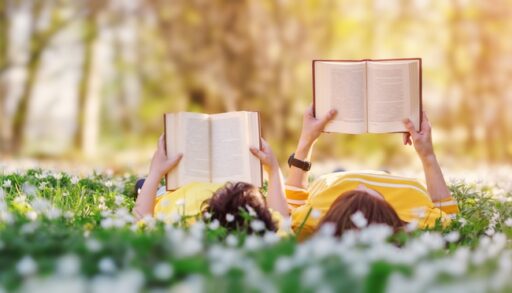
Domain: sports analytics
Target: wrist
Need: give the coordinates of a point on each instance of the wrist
(303, 150)
(428, 159)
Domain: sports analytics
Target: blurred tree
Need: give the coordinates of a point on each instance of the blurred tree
(40, 39)
(90, 35)
(4, 36)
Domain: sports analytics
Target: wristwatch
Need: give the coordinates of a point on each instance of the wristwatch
(303, 165)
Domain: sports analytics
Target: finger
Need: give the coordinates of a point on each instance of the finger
(409, 126)
(264, 145)
(161, 142)
(257, 153)
(309, 111)
(405, 138)
(174, 161)
(328, 117)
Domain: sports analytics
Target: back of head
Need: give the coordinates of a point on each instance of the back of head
(231, 204)
(375, 210)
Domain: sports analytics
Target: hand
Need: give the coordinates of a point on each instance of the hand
(422, 140)
(313, 127)
(266, 156)
(161, 164)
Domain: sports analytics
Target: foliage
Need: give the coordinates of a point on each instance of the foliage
(76, 234)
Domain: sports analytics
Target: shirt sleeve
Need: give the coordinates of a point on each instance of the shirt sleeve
(295, 196)
(448, 205)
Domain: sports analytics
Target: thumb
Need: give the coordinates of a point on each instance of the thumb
(171, 163)
(257, 153)
(328, 117)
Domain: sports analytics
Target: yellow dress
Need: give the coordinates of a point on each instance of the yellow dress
(186, 202)
(407, 196)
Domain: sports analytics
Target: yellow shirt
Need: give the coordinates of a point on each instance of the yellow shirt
(407, 196)
(185, 201)
(188, 200)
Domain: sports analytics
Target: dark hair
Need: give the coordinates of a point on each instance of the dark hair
(375, 210)
(236, 199)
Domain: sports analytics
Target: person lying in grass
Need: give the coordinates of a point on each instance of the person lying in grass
(228, 203)
(350, 200)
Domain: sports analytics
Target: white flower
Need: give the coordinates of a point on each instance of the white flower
(107, 265)
(29, 189)
(315, 214)
(231, 240)
(463, 222)
(75, 180)
(359, 219)
(207, 215)
(26, 266)
(32, 215)
(57, 176)
(163, 271)
(118, 200)
(508, 222)
(109, 183)
(327, 229)
(257, 225)
(270, 237)
(452, 236)
(214, 225)
(411, 226)
(7, 183)
(251, 211)
(180, 202)
(230, 217)
(68, 265)
(93, 245)
(490, 231)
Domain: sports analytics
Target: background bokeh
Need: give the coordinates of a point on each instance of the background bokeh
(85, 82)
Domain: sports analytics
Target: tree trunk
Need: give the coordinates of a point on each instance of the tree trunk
(91, 34)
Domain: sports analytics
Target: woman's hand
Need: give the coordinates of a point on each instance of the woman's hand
(421, 140)
(313, 127)
(161, 164)
(267, 157)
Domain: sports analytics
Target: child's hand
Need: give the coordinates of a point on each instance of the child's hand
(422, 140)
(266, 156)
(161, 164)
(312, 127)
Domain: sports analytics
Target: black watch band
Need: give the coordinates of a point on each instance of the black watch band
(303, 165)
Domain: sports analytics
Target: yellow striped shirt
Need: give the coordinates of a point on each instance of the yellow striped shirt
(407, 196)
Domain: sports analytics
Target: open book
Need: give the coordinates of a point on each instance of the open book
(371, 96)
(215, 147)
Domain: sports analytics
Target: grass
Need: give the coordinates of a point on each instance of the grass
(59, 232)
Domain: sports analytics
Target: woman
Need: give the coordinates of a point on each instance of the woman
(225, 203)
(380, 197)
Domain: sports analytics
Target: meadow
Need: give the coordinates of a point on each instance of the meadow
(63, 233)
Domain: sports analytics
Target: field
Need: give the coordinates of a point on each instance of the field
(61, 233)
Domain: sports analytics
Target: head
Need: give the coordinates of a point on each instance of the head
(237, 199)
(369, 202)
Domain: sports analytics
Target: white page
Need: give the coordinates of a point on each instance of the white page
(230, 148)
(195, 164)
(389, 95)
(341, 86)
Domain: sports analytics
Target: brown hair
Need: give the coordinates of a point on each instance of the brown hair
(375, 210)
(238, 199)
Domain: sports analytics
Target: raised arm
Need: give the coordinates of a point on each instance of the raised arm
(160, 165)
(311, 130)
(422, 141)
(276, 199)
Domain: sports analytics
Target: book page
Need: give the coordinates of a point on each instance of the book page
(254, 135)
(341, 86)
(171, 148)
(230, 148)
(390, 93)
(194, 143)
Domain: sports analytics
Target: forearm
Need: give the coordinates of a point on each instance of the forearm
(298, 177)
(436, 184)
(145, 203)
(276, 198)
